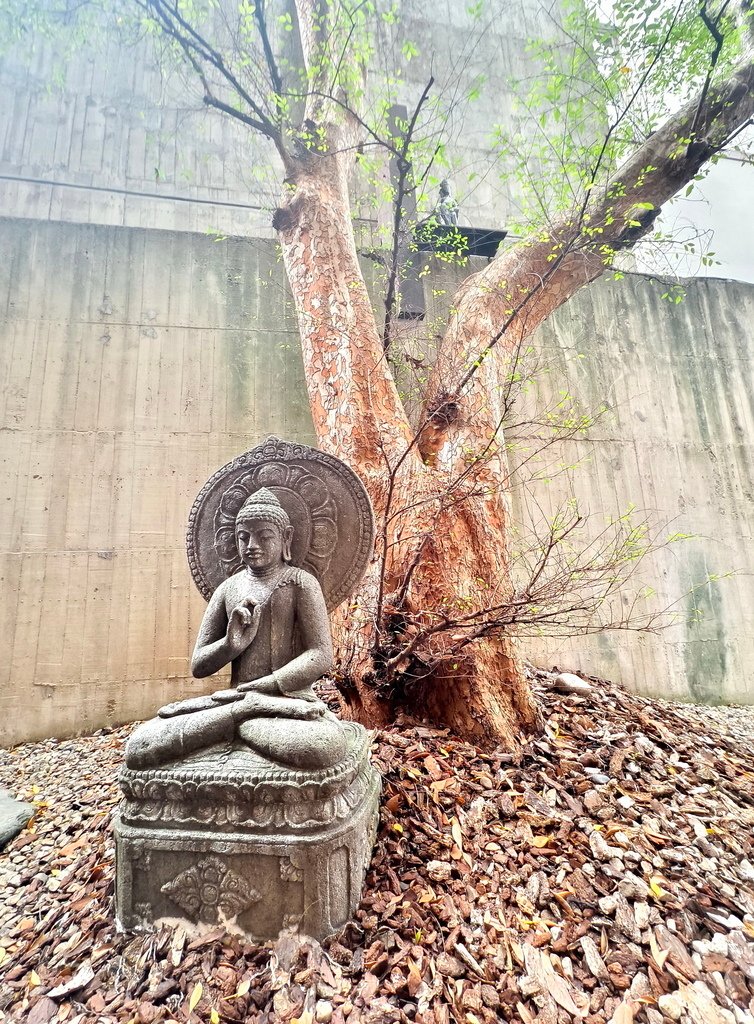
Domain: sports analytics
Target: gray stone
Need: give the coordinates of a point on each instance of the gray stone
(255, 807)
(439, 870)
(14, 817)
(600, 780)
(323, 1011)
(569, 682)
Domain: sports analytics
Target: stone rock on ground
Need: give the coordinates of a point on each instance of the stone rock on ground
(568, 682)
(14, 817)
(604, 869)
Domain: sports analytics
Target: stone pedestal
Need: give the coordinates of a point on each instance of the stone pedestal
(225, 837)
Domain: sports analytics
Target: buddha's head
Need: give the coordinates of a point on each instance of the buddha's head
(263, 532)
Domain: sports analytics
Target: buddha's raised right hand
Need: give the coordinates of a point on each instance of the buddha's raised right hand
(243, 625)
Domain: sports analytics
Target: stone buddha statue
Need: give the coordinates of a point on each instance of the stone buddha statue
(254, 806)
(269, 622)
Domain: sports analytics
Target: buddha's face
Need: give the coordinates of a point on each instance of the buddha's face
(261, 544)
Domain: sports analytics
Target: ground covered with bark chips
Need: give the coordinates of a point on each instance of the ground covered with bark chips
(605, 875)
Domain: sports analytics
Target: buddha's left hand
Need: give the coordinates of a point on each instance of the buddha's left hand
(265, 684)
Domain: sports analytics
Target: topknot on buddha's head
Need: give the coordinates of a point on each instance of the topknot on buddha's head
(263, 505)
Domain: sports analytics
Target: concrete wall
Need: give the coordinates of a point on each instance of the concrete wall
(678, 441)
(137, 354)
(133, 364)
(108, 135)
(104, 137)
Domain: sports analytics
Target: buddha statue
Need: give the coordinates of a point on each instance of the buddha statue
(254, 807)
(446, 210)
(269, 622)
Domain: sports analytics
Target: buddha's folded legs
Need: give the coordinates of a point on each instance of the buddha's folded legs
(169, 739)
(320, 743)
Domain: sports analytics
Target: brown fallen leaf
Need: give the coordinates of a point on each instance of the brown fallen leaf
(414, 978)
(539, 967)
(455, 831)
(658, 955)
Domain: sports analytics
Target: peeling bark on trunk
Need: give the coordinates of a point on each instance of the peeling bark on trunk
(358, 415)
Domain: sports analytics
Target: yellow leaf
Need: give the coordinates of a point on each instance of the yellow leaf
(214, 1016)
(657, 889)
(34, 978)
(244, 987)
(195, 996)
(540, 841)
(3, 955)
(396, 827)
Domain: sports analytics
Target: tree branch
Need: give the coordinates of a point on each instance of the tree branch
(269, 56)
(521, 287)
(404, 169)
(196, 48)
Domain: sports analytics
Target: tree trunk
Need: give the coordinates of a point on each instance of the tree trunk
(454, 541)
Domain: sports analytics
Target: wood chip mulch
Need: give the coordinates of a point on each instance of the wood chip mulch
(606, 875)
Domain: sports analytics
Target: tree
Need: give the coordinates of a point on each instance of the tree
(434, 623)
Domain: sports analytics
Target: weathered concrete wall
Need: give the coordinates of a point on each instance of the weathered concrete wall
(133, 364)
(108, 135)
(678, 441)
(103, 136)
(136, 355)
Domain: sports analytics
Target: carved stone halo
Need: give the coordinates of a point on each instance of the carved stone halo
(333, 525)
